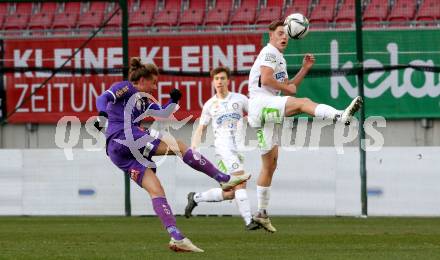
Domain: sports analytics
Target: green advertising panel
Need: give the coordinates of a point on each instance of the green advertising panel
(403, 93)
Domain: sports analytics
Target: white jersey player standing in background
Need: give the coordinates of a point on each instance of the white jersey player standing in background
(226, 110)
(267, 80)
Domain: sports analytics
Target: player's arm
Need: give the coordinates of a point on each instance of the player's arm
(165, 111)
(101, 105)
(197, 137)
(204, 120)
(308, 62)
(268, 80)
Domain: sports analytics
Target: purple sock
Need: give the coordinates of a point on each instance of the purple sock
(163, 211)
(200, 163)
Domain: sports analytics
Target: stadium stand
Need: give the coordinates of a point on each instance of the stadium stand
(346, 14)
(219, 15)
(62, 18)
(245, 14)
(298, 6)
(322, 13)
(141, 15)
(267, 15)
(64, 23)
(429, 12)
(168, 16)
(402, 11)
(375, 13)
(192, 16)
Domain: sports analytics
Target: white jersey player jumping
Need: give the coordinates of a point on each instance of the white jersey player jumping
(226, 110)
(267, 80)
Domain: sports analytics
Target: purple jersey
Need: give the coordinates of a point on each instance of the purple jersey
(114, 102)
(120, 93)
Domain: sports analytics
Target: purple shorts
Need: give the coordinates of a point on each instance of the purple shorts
(126, 160)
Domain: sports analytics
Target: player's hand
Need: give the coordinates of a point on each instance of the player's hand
(100, 121)
(308, 61)
(175, 95)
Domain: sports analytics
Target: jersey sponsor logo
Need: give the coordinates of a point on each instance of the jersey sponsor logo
(270, 57)
(229, 116)
(280, 75)
(119, 93)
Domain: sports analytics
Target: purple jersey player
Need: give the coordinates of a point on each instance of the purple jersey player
(130, 147)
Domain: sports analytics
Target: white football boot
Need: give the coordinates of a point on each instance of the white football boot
(184, 245)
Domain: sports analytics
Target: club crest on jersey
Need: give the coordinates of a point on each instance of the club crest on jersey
(270, 57)
(235, 106)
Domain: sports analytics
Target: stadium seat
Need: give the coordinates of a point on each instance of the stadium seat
(4, 11)
(97, 7)
(298, 6)
(49, 7)
(275, 3)
(192, 17)
(15, 23)
(64, 23)
(168, 16)
(429, 12)
(216, 17)
(267, 15)
(24, 8)
(142, 17)
(322, 13)
(243, 16)
(90, 20)
(402, 12)
(226, 5)
(375, 12)
(72, 7)
(346, 14)
(41, 21)
(114, 25)
(173, 5)
(197, 4)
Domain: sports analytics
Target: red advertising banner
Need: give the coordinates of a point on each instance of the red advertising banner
(75, 94)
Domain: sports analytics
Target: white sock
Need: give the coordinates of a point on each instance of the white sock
(326, 111)
(263, 197)
(212, 195)
(241, 198)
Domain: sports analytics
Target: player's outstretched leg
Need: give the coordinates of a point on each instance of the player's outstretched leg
(200, 163)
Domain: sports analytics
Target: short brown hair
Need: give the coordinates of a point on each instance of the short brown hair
(139, 70)
(220, 70)
(275, 24)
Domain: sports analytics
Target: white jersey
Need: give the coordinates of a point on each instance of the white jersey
(227, 118)
(271, 57)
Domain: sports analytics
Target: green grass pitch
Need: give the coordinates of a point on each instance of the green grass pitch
(220, 237)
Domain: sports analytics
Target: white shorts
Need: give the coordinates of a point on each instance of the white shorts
(266, 113)
(229, 160)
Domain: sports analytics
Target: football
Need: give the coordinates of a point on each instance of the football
(296, 26)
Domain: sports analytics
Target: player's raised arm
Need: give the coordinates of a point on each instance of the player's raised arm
(308, 62)
(165, 111)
